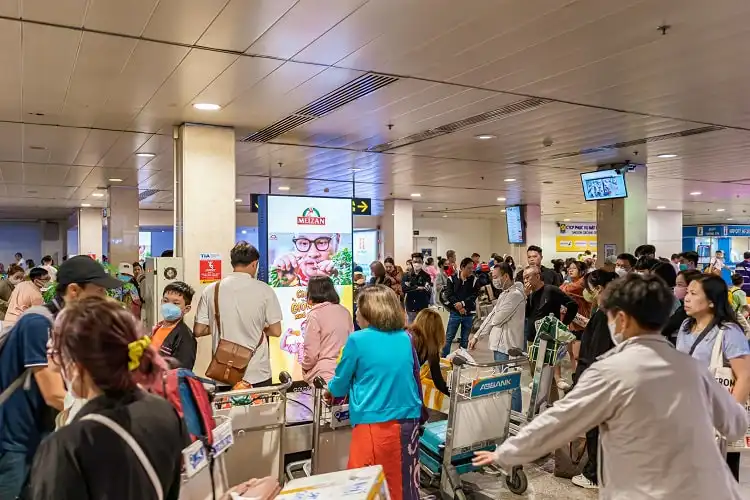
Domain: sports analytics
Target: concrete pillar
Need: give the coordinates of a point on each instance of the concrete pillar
(623, 222)
(205, 210)
(665, 231)
(398, 230)
(90, 232)
(122, 225)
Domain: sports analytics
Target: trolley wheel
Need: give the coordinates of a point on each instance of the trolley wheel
(517, 482)
(459, 494)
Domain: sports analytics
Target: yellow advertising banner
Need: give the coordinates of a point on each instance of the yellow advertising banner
(575, 243)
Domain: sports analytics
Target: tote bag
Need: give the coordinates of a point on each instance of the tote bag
(725, 377)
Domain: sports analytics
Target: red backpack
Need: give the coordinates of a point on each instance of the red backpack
(186, 392)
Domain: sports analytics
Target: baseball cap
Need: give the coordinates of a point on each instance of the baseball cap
(126, 268)
(84, 269)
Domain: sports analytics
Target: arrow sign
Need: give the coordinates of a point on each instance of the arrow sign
(361, 206)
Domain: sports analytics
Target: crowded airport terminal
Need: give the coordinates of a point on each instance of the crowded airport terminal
(374, 250)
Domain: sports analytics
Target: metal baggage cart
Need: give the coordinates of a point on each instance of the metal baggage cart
(196, 475)
(258, 417)
(478, 417)
(331, 437)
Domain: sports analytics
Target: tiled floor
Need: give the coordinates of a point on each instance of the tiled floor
(542, 484)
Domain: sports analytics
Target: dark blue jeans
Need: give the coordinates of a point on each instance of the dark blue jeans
(454, 322)
(516, 403)
(14, 469)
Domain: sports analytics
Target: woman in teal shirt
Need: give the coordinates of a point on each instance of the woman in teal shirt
(379, 372)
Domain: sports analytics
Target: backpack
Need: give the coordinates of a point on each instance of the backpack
(185, 391)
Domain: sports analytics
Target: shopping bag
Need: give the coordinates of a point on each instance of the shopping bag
(433, 398)
(571, 459)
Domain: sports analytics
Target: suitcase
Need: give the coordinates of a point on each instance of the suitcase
(432, 445)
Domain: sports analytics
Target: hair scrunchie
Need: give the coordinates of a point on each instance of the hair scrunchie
(136, 350)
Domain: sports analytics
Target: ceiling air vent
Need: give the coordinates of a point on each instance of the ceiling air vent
(356, 89)
(146, 193)
(627, 144)
(497, 114)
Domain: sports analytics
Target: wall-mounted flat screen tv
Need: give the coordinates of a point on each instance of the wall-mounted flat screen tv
(515, 224)
(603, 185)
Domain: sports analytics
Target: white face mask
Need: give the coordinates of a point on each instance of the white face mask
(620, 271)
(617, 338)
(70, 382)
(417, 267)
(497, 283)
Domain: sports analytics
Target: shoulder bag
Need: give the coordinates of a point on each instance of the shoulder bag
(230, 359)
(133, 444)
(722, 373)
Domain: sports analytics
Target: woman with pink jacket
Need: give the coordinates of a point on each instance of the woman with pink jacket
(328, 326)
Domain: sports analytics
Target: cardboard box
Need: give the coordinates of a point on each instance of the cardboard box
(367, 483)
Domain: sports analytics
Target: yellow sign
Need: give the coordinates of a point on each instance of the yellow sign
(575, 243)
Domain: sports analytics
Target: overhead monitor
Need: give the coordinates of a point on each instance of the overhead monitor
(603, 185)
(515, 224)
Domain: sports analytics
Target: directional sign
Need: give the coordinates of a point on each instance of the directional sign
(362, 206)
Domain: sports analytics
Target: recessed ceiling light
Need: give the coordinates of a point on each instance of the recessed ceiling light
(510, 179)
(547, 182)
(502, 211)
(667, 155)
(501, 199)
(238, 200)
(85, 205)
(98, 195)
(729, 218)
(415, 195)
(429, 208)
(206, 106)
(721, 210)
(283, 188)
(355, 169)
(38, 148)
(566, 220)
(661, 207)
(114, 179)
(145, 155)
(696, 193)
(243, 231)
(445, 216)
(485, 137)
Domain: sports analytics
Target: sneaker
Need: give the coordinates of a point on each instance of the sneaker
(563, 385)
(584, 482)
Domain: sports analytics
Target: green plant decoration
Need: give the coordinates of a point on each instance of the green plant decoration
(123, 294)
(343, 262)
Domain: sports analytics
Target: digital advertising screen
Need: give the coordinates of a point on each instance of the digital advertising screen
(303, 237)
(514, 224)
(365, 249)
(603, 185)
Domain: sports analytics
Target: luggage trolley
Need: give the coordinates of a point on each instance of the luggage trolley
(258, 417)
(331, 436)
(478, 419)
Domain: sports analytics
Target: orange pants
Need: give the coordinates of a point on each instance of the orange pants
(395, 446)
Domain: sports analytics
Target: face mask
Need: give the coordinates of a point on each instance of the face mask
(497, 283)
(170, 312)
(589, 296)
(417, 268)
(683, 267)
(680, 292)
(620, 271)
(70, 380)
(14, 281)
(617, 338)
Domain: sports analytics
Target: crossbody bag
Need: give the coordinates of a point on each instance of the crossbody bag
(230, 359)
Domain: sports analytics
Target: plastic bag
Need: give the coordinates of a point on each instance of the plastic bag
(463, 353)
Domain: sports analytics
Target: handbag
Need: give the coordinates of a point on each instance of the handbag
(230, 359)
(570, 460)
(722, 373)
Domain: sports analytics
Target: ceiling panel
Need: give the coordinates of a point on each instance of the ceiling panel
(242, 22)
(127, 143)
(116, 16)
(11, 75)
(96, 145)
(67, 12)
(182, 21)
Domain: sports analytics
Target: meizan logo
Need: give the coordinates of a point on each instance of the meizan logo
(311, 217)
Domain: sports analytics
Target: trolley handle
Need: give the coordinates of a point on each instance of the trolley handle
(284, 378)
(460, 361)
(319, 383)
(517, 353)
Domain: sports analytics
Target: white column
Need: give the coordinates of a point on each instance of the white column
(122, 225)
(623, 222)
(398, 230)
(205, 210)
(665, 231)
(90, 232)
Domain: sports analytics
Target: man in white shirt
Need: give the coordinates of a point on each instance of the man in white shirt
(717, 263)
(248, 308)
(20, 261)
(47, 264)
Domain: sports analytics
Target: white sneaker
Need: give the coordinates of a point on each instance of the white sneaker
(563, 385)
(584, 482)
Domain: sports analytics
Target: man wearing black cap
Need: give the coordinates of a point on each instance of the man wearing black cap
(28, 387)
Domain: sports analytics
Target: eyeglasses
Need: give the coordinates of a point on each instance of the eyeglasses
(321, 244)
